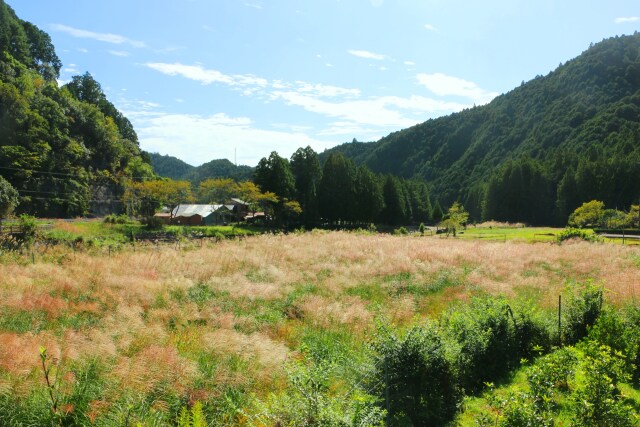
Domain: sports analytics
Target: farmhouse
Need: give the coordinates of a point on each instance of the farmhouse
(185, 214)
(188, 214)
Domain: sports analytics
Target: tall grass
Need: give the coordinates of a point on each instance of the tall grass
(148, 333)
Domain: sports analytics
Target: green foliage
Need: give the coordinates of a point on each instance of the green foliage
(590, 214)
(47, 130)
(597, 399)
(536, 153)
(417, 382)
(581, 312)
(455, 219)
(8, 198)
(193, 417)
(576, 233)
(400, 231)
(483, 341)
(117, 219)
(421, 229)
(307, 172)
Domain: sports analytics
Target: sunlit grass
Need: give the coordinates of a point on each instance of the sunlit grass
(219, 323)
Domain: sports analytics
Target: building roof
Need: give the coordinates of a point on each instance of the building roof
(237, 201)
(204, 211)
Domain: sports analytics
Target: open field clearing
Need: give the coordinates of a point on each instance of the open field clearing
(137, 336)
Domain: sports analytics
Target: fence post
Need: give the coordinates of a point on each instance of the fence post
(560, 320)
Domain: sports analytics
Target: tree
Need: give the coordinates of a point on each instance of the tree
(307, 172)
(8, 198)
(455, 219)
(250, 193)
(146, 197)
(590, 214)
(394, 211)
(437, 214)
(218, 190)
(368, 196)
(274, 175)
(337, 188)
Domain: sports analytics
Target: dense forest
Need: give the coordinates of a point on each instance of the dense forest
(537, 152)
(174, 168)
(68, 150)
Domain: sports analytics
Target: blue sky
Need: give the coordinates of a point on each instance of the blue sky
(237, 79)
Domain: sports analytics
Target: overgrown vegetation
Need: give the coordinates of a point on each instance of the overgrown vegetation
(319, 328)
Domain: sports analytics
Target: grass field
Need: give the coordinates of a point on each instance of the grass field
(236, 324)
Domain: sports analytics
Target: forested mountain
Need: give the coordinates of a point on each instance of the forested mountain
(66, 150)
(174, 168)
(169, 166)
(537, 152)
(220, 168)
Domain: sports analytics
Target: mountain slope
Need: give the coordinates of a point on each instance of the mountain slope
(169, 166)
(579, 123)
(172, 167)
(66, 150)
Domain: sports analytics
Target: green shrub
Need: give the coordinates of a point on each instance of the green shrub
(153, 223)
(550, 376)
(117, 219)
(577, 233)
(483, 337)
(416, 378)
(597, 400)
(400, 231)
(581, 312)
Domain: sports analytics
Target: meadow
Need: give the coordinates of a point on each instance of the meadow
(258, 331)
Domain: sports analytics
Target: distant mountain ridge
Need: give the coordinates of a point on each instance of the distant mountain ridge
(576, 131)
(174, 168)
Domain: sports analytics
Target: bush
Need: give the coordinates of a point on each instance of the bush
(484, 339)
(28, 230)
(153, 223)
(400, 231)
(581, 313)
(576, 233)
(117, 219)
(597, 400)
(417, 378)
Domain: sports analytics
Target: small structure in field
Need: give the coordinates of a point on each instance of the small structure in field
(185, 214)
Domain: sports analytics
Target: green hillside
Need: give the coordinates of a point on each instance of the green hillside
(536, 153)
(174, 168)
(66, 150)
(169, 166)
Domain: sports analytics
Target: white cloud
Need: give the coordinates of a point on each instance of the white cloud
(371, 112)
(377, 3)
(410, 63)
(430, 27)
(324, 90)
(254, 4)
(83, 50)
(206, 76)
(119, 53)
(367, 55)
(328, 65)
(197, 139)
(627, 19)
(444, 85)
(383, 68)
(103, 37)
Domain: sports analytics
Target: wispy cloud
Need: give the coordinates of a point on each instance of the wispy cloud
(366, 54)
(83, 50)
(627, 19)
(103, 37)
(410, 63)
(119, 53)
(206, 76)
(254, 4)
(430, 27)
(377, 111)
(444, 85)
